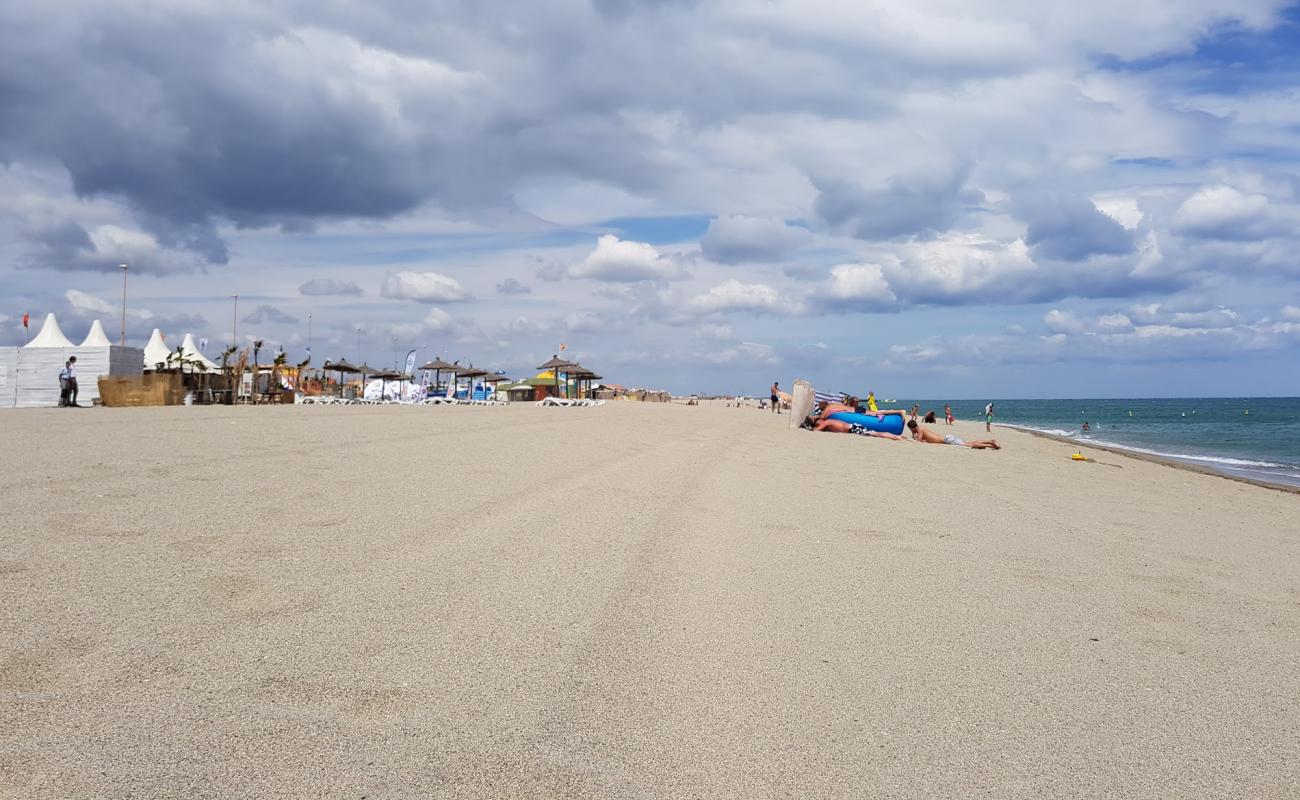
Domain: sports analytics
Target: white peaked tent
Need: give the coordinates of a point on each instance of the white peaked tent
(51, 335)
(96, 337)
(191, 354)
(156, 351)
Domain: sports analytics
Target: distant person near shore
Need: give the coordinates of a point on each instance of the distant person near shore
(776, 397)
(988, 417)
(916, 409)
(927, 436)
(871, 402)
(947, 414)
(930, 418)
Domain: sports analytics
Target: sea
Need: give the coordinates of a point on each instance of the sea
(1249, 437)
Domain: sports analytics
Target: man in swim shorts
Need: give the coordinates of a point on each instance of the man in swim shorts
(923, 434)
(776, 397)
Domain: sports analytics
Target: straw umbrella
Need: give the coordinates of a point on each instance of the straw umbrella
(439, 366)
(471, 372)
(341, 366)
(556, 363)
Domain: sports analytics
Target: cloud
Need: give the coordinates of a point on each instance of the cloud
(423, 287)
(67, 246)
(1224, 212)
(1291, 313)
(740, 239)
(857, 287)
(266, 313)
(319, 287)
(620, 261)
(732, 295)
(512, 286)
(1070, 228)
(78, 309)
(921, 203)
(435, 321)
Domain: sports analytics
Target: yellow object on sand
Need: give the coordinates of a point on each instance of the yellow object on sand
(1079, 457)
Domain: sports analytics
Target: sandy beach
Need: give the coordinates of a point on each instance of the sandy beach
(631, 601)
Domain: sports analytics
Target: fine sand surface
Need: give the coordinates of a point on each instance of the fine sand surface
(632, 601)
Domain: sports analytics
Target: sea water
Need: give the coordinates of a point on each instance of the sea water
(1250, 437)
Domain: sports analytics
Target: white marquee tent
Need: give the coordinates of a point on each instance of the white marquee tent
(29, 375)
(51, 335)
(192, 354)
(96, 337)
(156, 351)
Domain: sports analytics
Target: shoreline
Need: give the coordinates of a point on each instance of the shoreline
(1154, 459)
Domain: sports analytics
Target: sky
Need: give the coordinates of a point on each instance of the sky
(941, 198)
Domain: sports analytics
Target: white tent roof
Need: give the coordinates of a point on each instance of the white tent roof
(51, 335)
(155, 352)
(96, 337)
(191, 353)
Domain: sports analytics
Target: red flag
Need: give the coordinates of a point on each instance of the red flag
(26, 319)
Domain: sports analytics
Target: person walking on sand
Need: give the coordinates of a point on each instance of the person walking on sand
(988, 418)
(923, 434)
(947, 414)
(871, 402)
(776, 397)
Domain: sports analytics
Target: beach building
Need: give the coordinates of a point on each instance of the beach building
(29, 375)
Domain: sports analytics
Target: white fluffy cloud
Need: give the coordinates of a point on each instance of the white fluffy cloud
(423, 287)
(620, 261)
(435, 321)
(858, 287)
(732, 295)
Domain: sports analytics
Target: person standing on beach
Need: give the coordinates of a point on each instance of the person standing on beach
(63, 384)
(71, 370)
(776, 397)
(947, 413)
(871, 402)
(988, 417)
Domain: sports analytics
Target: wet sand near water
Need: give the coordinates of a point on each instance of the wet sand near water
(635, 600)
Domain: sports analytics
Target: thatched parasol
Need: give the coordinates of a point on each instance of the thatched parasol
(556, 363)
(438, 366)
(341, 367)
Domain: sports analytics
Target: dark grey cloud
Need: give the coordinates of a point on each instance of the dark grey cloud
(917, 204)
(67, 246)
(268, 313)
(740, 239)
(317, 287)
(1070, 228)
(512, 286)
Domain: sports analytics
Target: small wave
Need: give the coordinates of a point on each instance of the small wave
(1232, 462)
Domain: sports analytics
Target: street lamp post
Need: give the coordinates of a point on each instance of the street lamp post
(358, 345)
(122, 341)
(234, 323)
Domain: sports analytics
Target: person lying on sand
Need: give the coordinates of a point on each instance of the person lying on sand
(836, 426)
(923, 434)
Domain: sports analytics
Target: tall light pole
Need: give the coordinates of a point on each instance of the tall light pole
(122, 341)
(234, 323)
(309, 336)
(358, 345)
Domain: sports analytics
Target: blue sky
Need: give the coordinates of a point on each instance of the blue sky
(933, 199)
